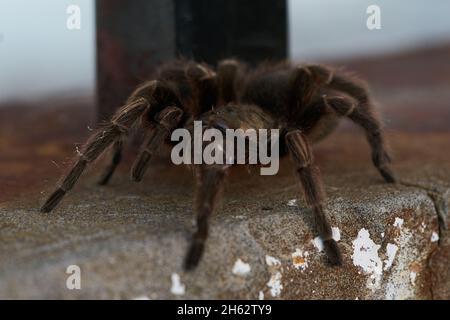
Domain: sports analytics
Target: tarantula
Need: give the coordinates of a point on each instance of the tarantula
(303, 101)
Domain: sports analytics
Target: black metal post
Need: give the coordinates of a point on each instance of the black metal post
(135, 36)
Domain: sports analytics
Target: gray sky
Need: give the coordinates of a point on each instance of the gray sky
(39, 56)
(331, 28)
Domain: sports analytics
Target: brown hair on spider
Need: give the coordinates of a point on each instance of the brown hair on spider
(304, 102)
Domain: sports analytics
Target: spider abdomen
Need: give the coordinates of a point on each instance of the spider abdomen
(269, 91)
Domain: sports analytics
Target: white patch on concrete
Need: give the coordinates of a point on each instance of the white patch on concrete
(434, 237)
(336, 234)
(300, 259)
(398, 283)
(272, 261)
(241, 268)
(398, 222)
(275, 284)
(412, 277)
(391, 251)
(318, 243)
(382, 235)
(261, 295)
(177, 288)
(390, 293)
(365, 256)
(292, 203)
(142, 298)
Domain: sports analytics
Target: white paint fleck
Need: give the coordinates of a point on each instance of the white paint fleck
(336, 234)
(142, 298)
(398, 222)
(275, 284)
(434, 236)
(397, 282)
(241, 268)
(391, 291)
(261, 295)
(272, 261)
(382, 235)
(412, 277)
(300, 259)
(292, 203)
(365, 256)
(391, 251)
(177, 288)
(318, 243)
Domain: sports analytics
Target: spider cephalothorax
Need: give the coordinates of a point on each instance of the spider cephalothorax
(304, 102)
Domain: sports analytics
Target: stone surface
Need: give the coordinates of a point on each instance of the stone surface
(129, 239)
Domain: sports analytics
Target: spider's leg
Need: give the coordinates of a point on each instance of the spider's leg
(166, 121)
(148, 99)
(203, 82)
(309, 175)
(364, 116)
(115, 160)
(124, 118)
(210, 180)
(204, 86)
(228, 73)
(305, 82)
(210, 177)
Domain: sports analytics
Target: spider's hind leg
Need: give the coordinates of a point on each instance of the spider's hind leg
(364, 116)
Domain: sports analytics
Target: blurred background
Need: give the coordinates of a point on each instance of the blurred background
(57, 83)
(41, 57)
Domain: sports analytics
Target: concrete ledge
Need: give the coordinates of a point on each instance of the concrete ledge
(129, 240)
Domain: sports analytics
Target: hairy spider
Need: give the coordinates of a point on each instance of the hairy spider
(304, 101)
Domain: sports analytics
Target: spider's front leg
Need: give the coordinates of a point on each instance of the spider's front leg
(116, 158)
(95, 146)
(150, 101)
(166, 121)
(210, 177)
(210, 181)
(309, 175)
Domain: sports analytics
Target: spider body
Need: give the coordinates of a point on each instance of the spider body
(305, 102)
